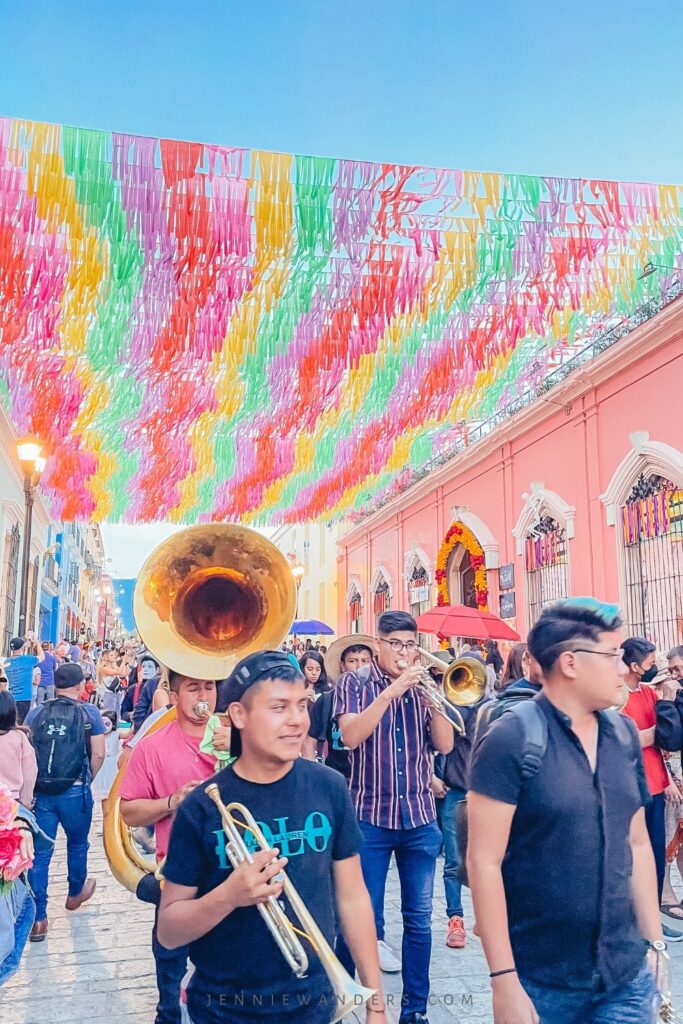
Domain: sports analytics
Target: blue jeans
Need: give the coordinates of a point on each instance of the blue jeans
(73, 811)
(45, 693)
(445, 810)
(630, 1004)
(416, 850)
(171, 965)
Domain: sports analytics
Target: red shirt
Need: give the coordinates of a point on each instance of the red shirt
(640, 706)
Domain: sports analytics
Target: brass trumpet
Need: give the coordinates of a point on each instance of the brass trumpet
(347, 992)
(464, 684)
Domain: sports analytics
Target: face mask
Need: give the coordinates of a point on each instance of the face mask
(649, 675)
(364, 673)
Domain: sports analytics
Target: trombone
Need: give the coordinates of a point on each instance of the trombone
(464, 684)
(348, 994)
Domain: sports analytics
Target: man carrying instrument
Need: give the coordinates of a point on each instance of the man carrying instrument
(391, 734)
(164, 767)
(304, 813)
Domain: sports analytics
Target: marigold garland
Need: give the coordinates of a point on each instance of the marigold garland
(458, 533)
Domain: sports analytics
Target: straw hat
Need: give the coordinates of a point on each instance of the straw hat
(333, 656)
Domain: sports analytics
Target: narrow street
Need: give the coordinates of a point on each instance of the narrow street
(96, 964)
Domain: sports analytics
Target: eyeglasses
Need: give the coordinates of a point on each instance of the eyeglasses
(397, 646)
(593, 650)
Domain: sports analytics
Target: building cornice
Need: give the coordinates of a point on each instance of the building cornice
(657, 332)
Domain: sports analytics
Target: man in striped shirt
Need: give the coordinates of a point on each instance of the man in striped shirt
(391, 734)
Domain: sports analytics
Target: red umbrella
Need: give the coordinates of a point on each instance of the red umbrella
(459, 620)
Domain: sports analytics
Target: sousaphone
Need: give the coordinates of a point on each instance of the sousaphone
(204, 599)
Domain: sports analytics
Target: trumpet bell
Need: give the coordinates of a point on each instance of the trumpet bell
(210, 594)
(464, 681)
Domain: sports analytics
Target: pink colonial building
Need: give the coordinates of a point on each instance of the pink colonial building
(581, 492)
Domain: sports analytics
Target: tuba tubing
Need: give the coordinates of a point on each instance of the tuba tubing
(205, 598)
(127, 864)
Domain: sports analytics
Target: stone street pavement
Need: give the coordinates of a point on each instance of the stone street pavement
(96, 964)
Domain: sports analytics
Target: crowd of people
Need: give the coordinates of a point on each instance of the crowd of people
(557, 799)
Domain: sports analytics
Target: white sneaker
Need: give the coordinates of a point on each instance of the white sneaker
(389, 962)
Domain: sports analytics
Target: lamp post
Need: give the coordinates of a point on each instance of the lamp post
(651, 267)
(298, 572)
(30, 452)
(107, 591)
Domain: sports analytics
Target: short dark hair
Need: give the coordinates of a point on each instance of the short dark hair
(283, 673)
(68, 675)
(354, 649)
(396, 622)
(8, 711)
(675, 652)
(637, 648)
(576, 618)
(175, 680)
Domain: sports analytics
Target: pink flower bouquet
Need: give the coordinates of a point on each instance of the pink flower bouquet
(13, 862)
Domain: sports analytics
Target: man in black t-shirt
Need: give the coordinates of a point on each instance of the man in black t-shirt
(559, 859)
(305, 813)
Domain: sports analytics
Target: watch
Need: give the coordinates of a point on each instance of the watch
(658, 946)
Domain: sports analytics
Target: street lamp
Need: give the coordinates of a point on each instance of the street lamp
(651, 267)
(107, 591)
(30, 452)
(298, 572)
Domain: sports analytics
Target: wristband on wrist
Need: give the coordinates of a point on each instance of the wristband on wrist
(508, 970)
(169, 801)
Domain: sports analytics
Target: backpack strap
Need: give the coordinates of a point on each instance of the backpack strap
(534, 735)
(627, 737)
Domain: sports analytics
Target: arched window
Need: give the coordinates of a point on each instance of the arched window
(418, 590)
(381, 597)
(546, 564)
(355, 606)
(652, 537)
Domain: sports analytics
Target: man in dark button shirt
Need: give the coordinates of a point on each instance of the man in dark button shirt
(560, 862)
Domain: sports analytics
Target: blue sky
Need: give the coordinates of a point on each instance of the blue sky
(581, 88)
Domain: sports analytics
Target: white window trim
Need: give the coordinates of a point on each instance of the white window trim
(354, 588)
(416, 556)
(381, 575)
(538, 503)
(645, 458)
(489, 544)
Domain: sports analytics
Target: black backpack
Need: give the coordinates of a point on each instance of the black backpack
(534, 746)
(61, 738)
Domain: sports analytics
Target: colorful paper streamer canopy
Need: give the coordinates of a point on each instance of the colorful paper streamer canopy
(198, 332)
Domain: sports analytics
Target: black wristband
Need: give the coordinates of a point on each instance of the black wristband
(508, 970)
(169, 801)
